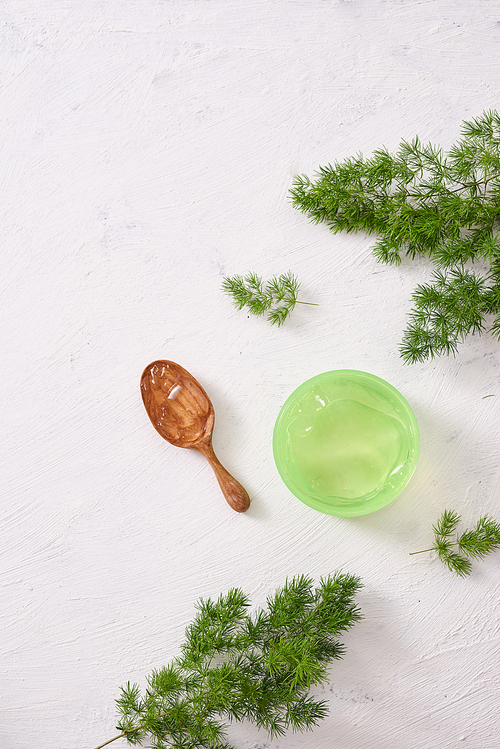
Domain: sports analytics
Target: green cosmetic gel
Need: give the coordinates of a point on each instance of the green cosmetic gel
(346, 443)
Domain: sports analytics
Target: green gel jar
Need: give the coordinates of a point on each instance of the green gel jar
(346, 443)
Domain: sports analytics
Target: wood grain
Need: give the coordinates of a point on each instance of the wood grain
(183, 414)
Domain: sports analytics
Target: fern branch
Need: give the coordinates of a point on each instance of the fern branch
(278, 297)
(235, 666)
(420, 202)
(476, 543)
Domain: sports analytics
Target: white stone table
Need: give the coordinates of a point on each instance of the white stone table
(147, 150)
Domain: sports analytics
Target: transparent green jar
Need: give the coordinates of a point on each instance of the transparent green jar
(346, 443)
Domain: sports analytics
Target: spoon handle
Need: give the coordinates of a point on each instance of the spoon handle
(236, 496)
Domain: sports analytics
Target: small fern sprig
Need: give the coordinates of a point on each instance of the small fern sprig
(278, 297)
(475, 543)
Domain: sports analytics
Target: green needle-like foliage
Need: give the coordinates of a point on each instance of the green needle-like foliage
(236, 666)
(278, 297)
(475, 543)
(422, 202)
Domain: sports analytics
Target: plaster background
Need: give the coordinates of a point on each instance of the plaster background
(147, 150)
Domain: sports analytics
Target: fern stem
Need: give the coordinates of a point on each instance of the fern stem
(110, 741)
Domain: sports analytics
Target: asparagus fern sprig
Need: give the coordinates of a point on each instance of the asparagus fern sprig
(277, 297)
(422, 202)
(235, 666)
(476, 543)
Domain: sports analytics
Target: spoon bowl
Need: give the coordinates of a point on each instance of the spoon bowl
(183, 414)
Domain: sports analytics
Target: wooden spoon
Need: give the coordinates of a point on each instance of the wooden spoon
(181, 411)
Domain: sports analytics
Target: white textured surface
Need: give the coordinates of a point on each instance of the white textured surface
(147, 149)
